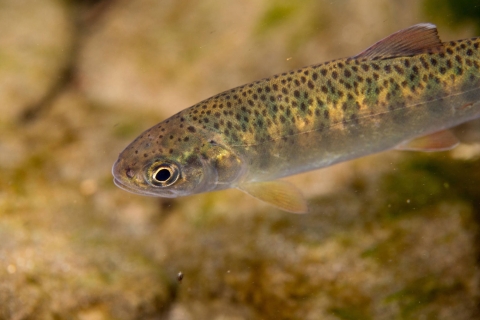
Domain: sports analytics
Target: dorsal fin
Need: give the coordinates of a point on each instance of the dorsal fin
(417, 39)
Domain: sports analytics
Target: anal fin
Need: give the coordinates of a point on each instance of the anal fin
(438, 141)
(278, 193)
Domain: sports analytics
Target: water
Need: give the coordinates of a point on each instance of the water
(393, 235)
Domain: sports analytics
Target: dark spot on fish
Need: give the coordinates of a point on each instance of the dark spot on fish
(326, 114)
(191, 129)
(398, 69)
(323, 72)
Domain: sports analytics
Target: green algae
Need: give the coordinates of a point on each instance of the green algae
(276, 14)
(421, 292)
(454, 12)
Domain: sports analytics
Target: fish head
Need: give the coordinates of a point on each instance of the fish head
(172, 160)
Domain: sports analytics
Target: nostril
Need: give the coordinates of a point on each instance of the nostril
(130, 173)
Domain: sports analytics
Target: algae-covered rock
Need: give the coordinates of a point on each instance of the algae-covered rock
(357, 255)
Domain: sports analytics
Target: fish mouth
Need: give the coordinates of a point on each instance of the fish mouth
(141, 191)
(119, 182)
(124, 186)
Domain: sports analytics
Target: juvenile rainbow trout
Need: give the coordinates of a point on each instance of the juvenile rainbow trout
(403, 92)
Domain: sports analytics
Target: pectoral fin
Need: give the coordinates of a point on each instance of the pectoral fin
(438, 141)
(280, 194)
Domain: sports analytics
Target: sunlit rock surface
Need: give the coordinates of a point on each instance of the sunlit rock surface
(390, 236)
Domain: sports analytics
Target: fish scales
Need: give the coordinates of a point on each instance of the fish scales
(319, 115)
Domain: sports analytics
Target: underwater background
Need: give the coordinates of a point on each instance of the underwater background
(390, 236)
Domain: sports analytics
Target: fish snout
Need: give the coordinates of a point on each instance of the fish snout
(123, 172)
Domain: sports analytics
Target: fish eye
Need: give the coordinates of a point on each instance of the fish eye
(163, 174)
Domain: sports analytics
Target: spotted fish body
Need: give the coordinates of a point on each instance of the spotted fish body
(404, 87)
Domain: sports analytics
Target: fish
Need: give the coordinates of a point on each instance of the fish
(404, 92)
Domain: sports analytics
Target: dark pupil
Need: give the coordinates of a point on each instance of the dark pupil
(162, 175)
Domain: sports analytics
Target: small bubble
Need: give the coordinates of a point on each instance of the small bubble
(180, 276)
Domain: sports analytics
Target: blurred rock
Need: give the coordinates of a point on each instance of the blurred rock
(34, 46)
(168, 55)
